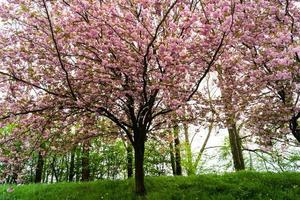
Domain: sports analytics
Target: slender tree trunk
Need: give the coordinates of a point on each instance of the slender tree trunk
(72, 166)
(177, 151)
(78, 164)
(67, 163)
(31, 173)
(46, 172)
(236, 147)
(129, 160)
(251, 161)
(172, 157)
(54, 172)
(188, 151)
(39, 169)
(60, 169)
(234, 138)
(85, 175)
(52, 176)
(201, 151)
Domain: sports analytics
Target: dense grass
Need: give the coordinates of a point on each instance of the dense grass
(242, 185)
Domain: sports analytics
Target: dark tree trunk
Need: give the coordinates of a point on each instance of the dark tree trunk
(129, 160)
(39, 169)
(85, 174)
(72, 166)
(78, 155)
(177, 151)
(294, 126)
(45, 172)
(139, 150)
(172, 157)
(14, 178)
(52, 176)
(236, 148)
(31, 174)
(54, 171)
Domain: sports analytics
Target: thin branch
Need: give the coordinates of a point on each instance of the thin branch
(58, 52)
(14, 77)
(210, 64)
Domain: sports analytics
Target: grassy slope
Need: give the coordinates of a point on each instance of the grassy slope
(243, 185)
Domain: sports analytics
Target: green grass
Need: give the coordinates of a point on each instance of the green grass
(232, 186)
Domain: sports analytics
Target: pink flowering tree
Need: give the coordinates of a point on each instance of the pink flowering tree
(270, 63)
(258, 75)
(133, 62)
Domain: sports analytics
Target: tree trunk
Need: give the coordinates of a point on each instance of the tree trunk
(45, 173)
(39, 169)
(129, 160)
(236, 147)
(72, 166)
(172, 157)
(234, 138)
(177, 151)
(85, 174)
(139, 150)
(54, 172)
(188, 151)
(201, 151)
(294, 126)
(52, 176)
(78, 155)
(31, 174)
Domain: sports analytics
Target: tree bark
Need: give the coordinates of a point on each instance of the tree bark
(188, 151)
(201, 151)
(139, 169)
(129, 160)
(234, 138)
(46, 172)
(139, 150)
(78, 165)
(172, 157)
(294, 126)
(72, 166)
(85, 174)
(54, 172)
(236, 147)
(177, 151)
(39, 169)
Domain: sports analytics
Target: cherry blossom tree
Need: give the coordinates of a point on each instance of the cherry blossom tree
(258, 74)
(133, 62)
(271, 63)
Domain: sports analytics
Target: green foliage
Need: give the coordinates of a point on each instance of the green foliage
(238, 186)
(295, 157)
(225, 149)
(109, 160)
(6, 130)
(157, 158)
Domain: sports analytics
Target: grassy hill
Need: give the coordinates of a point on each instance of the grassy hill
(232, 186)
